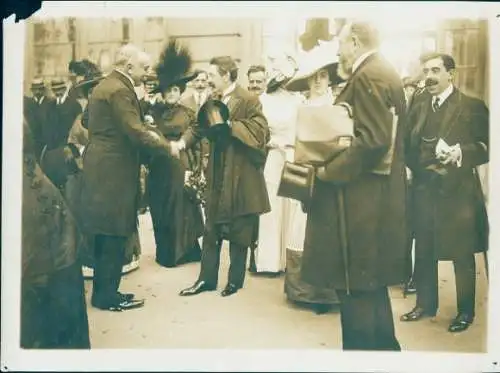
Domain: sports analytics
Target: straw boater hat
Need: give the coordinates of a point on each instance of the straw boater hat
(322, 57)
(58, 84)
(37, 84)
(174, 67)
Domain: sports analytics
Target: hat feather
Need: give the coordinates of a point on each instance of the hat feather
(175, 63)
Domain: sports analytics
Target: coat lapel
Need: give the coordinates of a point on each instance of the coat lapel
(234, 102)
(122, 78)
(342, 93)
(452, 112)
(422, 112)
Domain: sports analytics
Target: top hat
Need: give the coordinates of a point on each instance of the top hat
(175, 63)
(37, 84)
(316, 29)
(58, 84)
(323, 57)
(213, 115)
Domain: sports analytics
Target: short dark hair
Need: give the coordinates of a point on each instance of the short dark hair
(448, 61)
(256, 69)
(200, 71)
(225, 64)
(366, 32)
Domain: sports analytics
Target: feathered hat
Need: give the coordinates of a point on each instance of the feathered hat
(174, 66)
(91, 73)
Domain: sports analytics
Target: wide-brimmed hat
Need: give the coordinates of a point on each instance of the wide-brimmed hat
(316, 29)
(58, 84)
(174, 67)
(37, 84)
(91, 73)
(322, 57)
(213, 114)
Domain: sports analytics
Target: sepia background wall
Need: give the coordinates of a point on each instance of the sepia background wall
(52, 43)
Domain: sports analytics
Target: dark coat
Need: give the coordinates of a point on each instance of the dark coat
(238, 189)
(62, 118)
(53, 310)
(450, 206)
(38, 117)
(374, 203)
(111, 160)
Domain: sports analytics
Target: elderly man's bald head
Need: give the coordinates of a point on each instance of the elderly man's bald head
(133, 61)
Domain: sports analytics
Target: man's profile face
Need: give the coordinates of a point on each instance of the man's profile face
(257, 82)
(220, 83)
(138, 69)
(437, 79)
(347, 51)
(200, 83)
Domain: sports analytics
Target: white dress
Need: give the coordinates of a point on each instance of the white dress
(280, 110)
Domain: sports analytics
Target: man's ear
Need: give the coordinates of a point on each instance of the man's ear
(452, 73)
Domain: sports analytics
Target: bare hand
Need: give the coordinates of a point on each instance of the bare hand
(449, 157)
(175, 149)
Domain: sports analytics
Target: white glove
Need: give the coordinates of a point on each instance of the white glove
(149, 120)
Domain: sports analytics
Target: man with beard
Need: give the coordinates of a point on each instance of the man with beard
(356, 231)
(111, 173)
(448, 138)
(257, 79)
(236, 189)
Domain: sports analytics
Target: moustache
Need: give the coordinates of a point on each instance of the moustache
(429, 82)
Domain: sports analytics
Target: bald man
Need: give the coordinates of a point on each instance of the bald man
(111, 173)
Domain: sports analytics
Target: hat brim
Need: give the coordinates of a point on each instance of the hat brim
(37, 86)
(299, 82)
(58, 87)
(202, 114)
(88, 83)
(163, 86)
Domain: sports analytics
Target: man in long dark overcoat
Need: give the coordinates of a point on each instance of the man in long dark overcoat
(449, 210)
(53, 309)
(111, 167)
(237, 192)
(363, 187)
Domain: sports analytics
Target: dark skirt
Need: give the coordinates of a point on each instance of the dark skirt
(177, 218)
(54, 312)
(300, 291)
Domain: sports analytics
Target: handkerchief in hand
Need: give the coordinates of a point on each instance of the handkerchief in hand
(442, 147)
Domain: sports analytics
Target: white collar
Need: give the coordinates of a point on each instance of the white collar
(444, 95)
(229, 90)
(126, 75)
(39, 100)
(361, 58)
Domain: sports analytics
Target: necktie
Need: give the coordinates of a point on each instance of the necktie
(435, 104)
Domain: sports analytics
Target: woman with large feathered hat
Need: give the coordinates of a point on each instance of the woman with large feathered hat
(175, 208)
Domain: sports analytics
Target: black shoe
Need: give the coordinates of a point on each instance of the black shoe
(126, 296)
(320, 309)
(416, 314)
(460, 323)
(119, 306)
(197, 288)
(230, 289)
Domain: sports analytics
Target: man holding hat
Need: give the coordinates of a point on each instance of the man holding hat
(236, 190)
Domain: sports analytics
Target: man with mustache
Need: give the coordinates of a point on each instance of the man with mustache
(257, 79)
(356, 228)
(447, 139)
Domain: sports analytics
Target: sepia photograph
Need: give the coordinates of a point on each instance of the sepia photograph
(216, 178)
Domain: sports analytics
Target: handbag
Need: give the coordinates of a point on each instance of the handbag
(297, 182)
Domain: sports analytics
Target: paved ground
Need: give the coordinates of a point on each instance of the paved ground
(258, 317)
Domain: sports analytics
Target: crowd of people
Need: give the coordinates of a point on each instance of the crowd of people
(207, 162)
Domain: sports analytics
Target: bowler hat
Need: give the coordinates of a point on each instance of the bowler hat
(212, 115)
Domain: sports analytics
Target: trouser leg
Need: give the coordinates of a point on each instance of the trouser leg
(210, 259)
(465, 280)
(238, 257)
(426, 276)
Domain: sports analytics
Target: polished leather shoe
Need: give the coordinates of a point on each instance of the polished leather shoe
(416, 314)
(119, 306)
(230, 289)
(197, 288)
(460, 323)
(126, 296)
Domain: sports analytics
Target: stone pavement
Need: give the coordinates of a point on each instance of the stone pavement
(259, 316)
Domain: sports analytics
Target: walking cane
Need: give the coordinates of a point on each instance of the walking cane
(343, 236)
